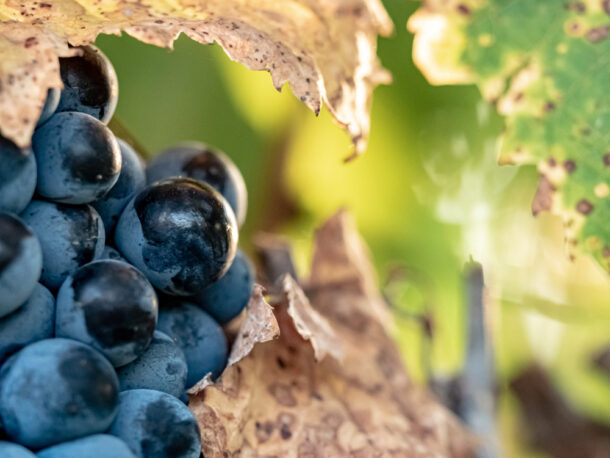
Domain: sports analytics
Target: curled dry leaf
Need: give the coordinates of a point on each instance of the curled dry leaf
(309, 323)
(342, 259)
(325, 49)
(280, 400)
(28, 67)
(258, 326)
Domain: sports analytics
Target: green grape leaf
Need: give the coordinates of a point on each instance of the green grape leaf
(546, 67)
(325, 49)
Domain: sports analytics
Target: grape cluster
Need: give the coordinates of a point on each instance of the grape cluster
(115, 280)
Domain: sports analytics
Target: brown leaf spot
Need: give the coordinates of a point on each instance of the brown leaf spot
(463, 9)
(584, 207)
(285, 422)
(543, 200)
(317, 396)
(607, 159)
(283, 394)
(333, 420)
(31, 41)
(569, 166)
(387, 364)
(307, 449)
(285, 432)
(597, 34)
(548, 107)
(552, 161)
(606, 6)
(263, 431)
(606, 252)
(577, 7)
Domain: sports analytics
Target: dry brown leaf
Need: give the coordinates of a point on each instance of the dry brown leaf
(309, 323)
(259, 326)
(280, 401)
(325, 49)
(334, 264)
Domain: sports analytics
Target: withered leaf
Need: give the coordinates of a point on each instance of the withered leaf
(325, 49)
(280, 400)
(258, 326)
(309, 323)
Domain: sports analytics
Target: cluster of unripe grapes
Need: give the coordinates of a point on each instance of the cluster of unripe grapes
(115, 280)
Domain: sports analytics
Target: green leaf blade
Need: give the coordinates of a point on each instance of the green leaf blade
(546, 66)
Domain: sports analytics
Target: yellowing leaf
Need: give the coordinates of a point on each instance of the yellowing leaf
(333, 383)
(546, 66)
(325, 49)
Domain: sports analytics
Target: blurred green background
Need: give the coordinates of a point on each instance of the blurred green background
(427, 196)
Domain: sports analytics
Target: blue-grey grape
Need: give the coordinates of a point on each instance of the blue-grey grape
(228, 296)
(33, 321)
(204, 163)
(70, 236)
(111, 253)
(156, 425)
(90, 84)
(20, 262)
(131, 180)
(109, 305)
(12, 450)
(96, 446)
(161, 367)
(56, 390)
(198, 335)
(78, 158)
(180, 233)
(17, 176)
